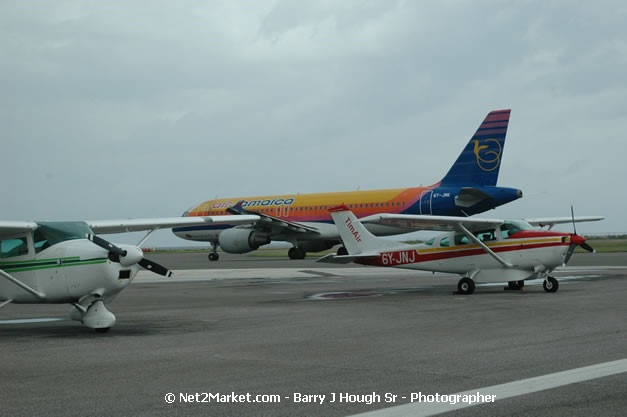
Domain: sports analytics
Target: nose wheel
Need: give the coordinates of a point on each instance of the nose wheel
(550, 284)
(213, 256)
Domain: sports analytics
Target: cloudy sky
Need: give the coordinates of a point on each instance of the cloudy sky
(117, 109)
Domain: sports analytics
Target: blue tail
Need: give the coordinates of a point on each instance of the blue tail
(480, 161)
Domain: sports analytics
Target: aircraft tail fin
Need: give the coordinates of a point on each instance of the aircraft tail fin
(357, 239)
(480, 161)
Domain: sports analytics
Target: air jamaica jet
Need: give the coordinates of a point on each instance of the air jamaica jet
(304, 220)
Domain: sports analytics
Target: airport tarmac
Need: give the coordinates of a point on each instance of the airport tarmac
(284, 328)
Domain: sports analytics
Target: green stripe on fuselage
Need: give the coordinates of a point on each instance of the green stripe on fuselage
(34, 265)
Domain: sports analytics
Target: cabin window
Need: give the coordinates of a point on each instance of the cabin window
(430, 242)
(486, 235)
(461, 240)
(13, 247)
(445, 242)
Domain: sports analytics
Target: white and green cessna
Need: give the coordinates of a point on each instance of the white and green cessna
(65, 262)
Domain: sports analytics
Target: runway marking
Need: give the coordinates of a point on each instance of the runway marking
(24, 321)
(507, 390)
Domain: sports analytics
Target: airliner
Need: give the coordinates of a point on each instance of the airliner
(304, 220)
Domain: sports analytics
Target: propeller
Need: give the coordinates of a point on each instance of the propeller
(129, 257)
(575, 240)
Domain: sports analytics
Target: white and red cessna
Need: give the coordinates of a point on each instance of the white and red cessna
(481, 250)
(65, 262)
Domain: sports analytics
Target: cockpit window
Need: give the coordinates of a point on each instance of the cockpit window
(445, 242)
(13, 247)
(430, 242)
(509, 227)
(50, 233)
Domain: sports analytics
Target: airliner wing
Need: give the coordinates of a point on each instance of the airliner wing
(135, 225)
(276, 224)
(551, 221)
(424, 222)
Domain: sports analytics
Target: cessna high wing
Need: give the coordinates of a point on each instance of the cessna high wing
(303, 220)
(480, 250)
(66, 262)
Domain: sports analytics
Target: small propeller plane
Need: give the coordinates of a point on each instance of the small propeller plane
(480, 250)
(66, 262)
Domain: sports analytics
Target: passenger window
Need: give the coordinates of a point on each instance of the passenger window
(445, 242)
(430, 242)
(461, 240)
(13, 247)
(486, 236)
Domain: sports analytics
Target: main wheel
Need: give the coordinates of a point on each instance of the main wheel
(466, 286)
(341, 251)
(102, 329)
(513, 285)
(214, 256)
(296, 253)
(550, 284)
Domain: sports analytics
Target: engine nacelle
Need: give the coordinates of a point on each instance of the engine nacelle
(241, 240)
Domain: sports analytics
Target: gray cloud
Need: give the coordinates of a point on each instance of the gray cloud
(129, 109)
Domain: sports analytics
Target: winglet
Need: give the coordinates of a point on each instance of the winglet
(237, 208)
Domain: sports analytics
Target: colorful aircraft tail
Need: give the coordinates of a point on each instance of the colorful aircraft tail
(479, 162)
(357, 239)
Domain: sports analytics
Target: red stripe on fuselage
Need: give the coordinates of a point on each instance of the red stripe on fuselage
(418, 258)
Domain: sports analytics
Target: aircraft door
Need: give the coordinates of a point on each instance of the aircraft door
(425, 202)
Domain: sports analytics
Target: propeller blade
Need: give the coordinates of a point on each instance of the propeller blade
(587, 247)
(106, 245)
(569, 253)
(155, 267)
(572, 215)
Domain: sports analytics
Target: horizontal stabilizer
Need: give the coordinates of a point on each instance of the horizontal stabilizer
(469, 197)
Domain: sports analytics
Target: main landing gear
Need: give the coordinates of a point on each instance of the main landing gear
(550, 284)
(466, 286)
(213, 256)
(296, 253)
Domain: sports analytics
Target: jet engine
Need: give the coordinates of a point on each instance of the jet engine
(241, 240)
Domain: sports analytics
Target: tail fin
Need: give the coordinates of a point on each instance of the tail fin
(357, 239)
(479, 162)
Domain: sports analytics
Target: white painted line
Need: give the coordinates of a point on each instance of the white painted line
(507, 390)
(25, 321)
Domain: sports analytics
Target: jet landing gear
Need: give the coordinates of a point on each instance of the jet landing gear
(466, 286)
(550, 284)
(213, 256)
(296, 253)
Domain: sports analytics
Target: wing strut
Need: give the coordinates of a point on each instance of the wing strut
(23, 286)
(484, 247)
